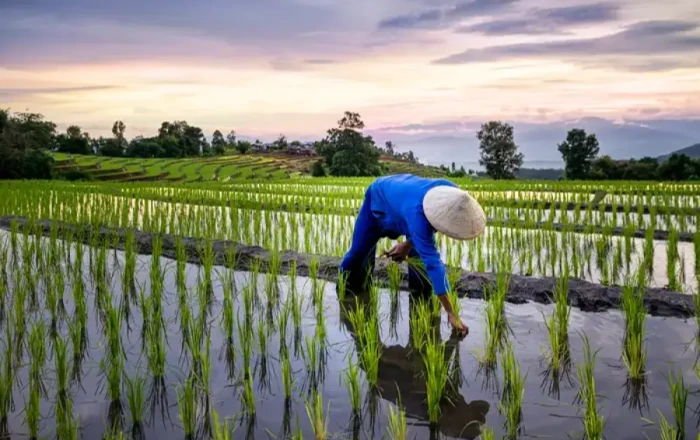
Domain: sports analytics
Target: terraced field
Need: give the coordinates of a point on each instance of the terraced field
(216, 169)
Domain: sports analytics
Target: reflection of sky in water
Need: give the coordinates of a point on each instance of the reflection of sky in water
(543, 415)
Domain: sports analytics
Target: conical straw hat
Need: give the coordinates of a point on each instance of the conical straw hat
(454, 213)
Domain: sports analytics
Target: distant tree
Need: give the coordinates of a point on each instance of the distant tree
(74, 141)
(453, 167)
(218, 143)
(318, 169)
(280, 143)
(24, 140)
(390, 148)
(347, 152)
(605, 168)
(118, 129)
(231, 138)
(499, 153)
(579, 150)
(243, 147)
(646, 168)
(677, 167)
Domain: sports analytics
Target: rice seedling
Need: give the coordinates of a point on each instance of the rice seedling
(436, 365)
(513, 391)
(352, 383)
(37, 355)
(7, 379)
(248, 397)
(319, 424)
(187, 407)
(32, 411)
(113, 362)
(487, 433)
(136, 400)
(245, 339)
(222, 431)
(287, 379)
(679, 401)
(283, 323)
(634, 353)
(593, 422)
(342, 285)
(667, 431)
(62, 367)
(397, 428)
(67, 425)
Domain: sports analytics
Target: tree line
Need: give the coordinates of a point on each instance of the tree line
(27, 139)
(580, 152)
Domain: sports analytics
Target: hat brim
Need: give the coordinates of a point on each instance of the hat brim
(454, 213)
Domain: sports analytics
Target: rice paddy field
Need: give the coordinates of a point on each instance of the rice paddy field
(210, 309)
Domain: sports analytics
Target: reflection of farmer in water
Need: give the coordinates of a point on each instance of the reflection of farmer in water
(401, 378)
(416, 208)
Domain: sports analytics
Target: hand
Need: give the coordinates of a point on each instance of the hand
(458, 325)
(399, 252)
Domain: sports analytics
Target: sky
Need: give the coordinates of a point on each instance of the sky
(267, 67)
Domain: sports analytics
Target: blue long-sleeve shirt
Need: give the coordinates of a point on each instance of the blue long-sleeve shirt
(393, 207)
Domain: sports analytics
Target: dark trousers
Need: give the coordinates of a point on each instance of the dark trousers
(359, 276)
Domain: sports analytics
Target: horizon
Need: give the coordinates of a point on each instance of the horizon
(294, 66)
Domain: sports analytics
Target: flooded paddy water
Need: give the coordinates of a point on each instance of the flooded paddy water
(301, 319)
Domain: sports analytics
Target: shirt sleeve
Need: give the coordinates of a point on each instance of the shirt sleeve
(423, 240)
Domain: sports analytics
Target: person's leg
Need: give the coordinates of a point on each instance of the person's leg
(358, 263)
(418, 283)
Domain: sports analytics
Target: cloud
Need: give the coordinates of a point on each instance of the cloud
(644, 39)
(319, 61)
(581, 14)
(547, 21)
(23, 92)
(443, 17)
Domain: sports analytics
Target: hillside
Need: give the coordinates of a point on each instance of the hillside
(269, 166)
(692, 151)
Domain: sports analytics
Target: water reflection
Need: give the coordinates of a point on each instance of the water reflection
(401, 379)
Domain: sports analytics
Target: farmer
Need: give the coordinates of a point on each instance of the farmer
(416, 208)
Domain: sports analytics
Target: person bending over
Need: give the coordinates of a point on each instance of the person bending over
(416, 208)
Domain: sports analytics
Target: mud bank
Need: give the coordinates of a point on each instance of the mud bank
(587, 296)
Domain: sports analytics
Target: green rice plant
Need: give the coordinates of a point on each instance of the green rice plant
(513, 391)
(7, 378)
(420, 324)
(62, 368)
(113, 362)
(32, 410)
(342, 285)
(352, 383)
(593, 422)
(67, 425)
(672, 260)
(227, 326)
(136, 399)
(248, 397)
(221, 431)
(487, 433)
(287, 379)
(394, 272)
(667, 431)
(397, 428)
(679, 401)
(37, 352)
(271, 281)
(245, 339)
(187, 407)
(319, 423)
(436, 365)
(634, 353)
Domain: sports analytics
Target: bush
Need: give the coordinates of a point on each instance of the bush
(318, 170)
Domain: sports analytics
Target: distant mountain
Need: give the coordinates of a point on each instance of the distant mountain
(456, 141)
(691, 151)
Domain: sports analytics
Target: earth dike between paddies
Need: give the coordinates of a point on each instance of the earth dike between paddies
(584, 295)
